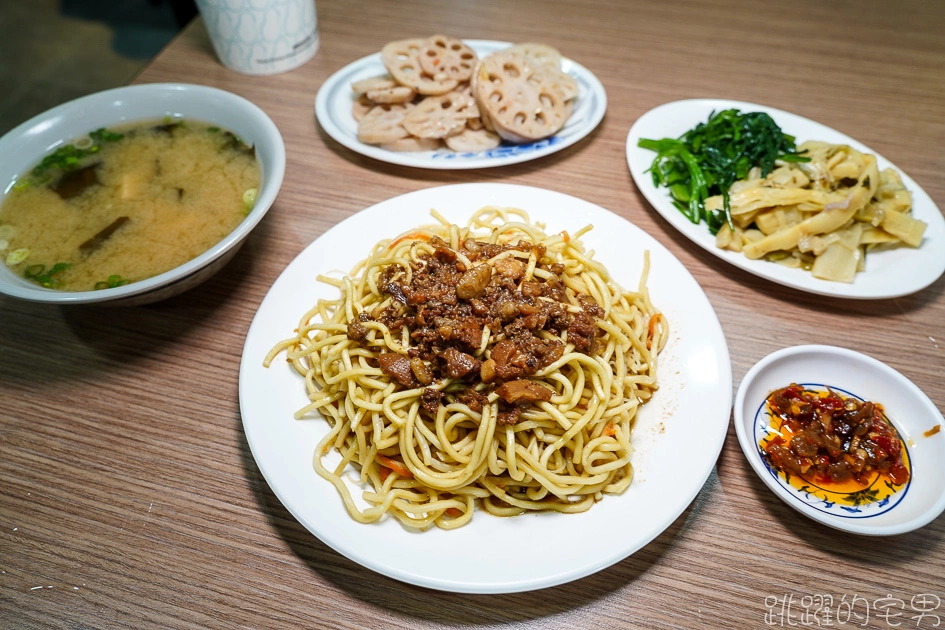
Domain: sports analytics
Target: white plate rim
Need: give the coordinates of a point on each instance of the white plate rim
(914, 269)
(703, 362)
(862, 526)
(335, 91)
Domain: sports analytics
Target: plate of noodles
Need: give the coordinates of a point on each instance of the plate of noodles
(485, 388)
(845, 223)
(335, 99)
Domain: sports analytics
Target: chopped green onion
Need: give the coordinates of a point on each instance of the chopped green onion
(45, 278)
(112, 282)
(17, 256)
(249, 198)
(65, 158)
(69, 157)
(213, 129)
(104, 135)
(59, 267)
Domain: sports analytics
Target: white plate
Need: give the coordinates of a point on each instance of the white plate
(334, 100)
(888, 274)
(678, 435)
(906, 406)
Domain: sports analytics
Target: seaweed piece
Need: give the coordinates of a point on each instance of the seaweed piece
(96, 241)
(74, 183)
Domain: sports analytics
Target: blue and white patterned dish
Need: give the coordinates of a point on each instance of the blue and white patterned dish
(335, 98)
(863, 504)
(850, 373)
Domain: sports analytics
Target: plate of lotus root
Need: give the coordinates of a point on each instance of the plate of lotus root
(445, 103)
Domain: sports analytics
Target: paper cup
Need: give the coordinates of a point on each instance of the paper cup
(261, 36)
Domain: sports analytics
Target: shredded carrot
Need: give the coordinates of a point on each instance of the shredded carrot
(610, 430)
(417, 236)
(654, 322)
(384, 473)
(566, 236)
(454, 512)
(396, 466)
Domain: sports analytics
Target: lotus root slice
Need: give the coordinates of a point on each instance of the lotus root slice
(383, 124)
(472, 140)
(395, 94)
(564, 83)
(449, 57)
(361, 106)
(541, 54)
(374, 83)
(412, 143)
(520, 108)
(440, 116)
(402, 60)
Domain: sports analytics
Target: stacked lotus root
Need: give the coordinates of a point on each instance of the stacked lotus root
(439, 91)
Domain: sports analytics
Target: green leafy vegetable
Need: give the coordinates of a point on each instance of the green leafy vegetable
(706, 160)
(38, 273)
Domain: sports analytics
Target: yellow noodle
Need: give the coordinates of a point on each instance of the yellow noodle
(562, 455)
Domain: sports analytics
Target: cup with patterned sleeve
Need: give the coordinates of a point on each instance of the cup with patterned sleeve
(261, 36)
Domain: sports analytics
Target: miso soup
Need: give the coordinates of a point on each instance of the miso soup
(125, 204)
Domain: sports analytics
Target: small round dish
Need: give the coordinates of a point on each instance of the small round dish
(26, 145)
(911, 412)
(335, 98)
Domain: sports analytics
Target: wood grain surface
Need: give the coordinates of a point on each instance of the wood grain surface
(129, 497)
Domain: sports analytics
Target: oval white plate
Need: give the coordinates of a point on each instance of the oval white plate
(678, 435)
(334, 100)
(888, 274)
(906, 406)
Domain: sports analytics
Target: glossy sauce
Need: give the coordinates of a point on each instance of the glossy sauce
(840, 445)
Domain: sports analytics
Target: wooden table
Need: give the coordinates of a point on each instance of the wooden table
(129, 497)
